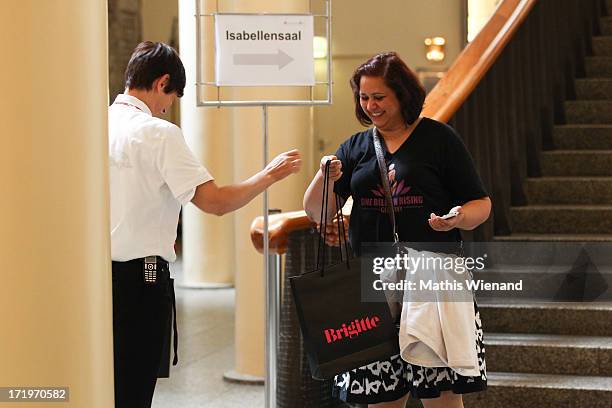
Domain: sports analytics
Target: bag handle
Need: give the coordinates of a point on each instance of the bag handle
(323, 224)
(384, 175)
(341, 230)
(321, 252)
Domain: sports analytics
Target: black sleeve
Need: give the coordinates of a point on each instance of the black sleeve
(342, 186)
(460, 173)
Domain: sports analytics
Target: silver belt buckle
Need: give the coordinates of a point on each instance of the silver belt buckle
(150, 269)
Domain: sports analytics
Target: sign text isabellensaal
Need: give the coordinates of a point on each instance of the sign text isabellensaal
(261, 35)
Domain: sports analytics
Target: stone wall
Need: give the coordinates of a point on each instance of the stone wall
(124, 33)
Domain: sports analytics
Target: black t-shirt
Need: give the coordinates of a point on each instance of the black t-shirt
(432, 171)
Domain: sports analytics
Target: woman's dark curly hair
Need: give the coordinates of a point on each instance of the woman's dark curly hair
(397, 76)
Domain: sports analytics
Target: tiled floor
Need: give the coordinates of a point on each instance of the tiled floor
(206, 351)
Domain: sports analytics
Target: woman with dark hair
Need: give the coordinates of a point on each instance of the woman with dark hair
(430, 172)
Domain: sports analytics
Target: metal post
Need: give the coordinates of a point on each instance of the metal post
(273, 307)
(271, 283)
(278, 273)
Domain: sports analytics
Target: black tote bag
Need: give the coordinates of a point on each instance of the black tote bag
(340, 332)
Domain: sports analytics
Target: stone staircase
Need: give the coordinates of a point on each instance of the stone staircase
(547, 355)
(560, 354)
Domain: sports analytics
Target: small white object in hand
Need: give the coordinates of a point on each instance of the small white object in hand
(452, 213)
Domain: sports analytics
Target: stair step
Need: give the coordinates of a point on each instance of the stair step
(583, 137)
(582, 319)
(599, 67)
(531, 237)
(591, 111)
(548, 354)
(602, 46)
(569, 190)
(521, 258)
(581, 279)
(516, 255)
(594, 88)
(562, 219)
(606, 25)
(576, 163)
(523, 390)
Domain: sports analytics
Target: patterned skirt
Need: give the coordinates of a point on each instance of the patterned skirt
(393, 378)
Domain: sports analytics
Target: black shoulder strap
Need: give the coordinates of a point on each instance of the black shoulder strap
(382, 166)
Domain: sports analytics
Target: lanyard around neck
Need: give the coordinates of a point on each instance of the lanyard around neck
(128, 104)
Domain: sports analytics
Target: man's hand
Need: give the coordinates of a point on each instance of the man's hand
(221, 200)
(283, 165)
(335, 167)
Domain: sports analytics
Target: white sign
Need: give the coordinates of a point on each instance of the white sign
(262, 50)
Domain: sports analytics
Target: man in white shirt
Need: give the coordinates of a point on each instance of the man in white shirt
(153, 173)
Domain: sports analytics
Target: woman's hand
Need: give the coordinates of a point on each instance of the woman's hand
(332, 238)
(471, 215)
(313, 197)
(439, 224)
(335, 167)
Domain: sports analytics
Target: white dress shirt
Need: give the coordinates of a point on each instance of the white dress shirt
(152, 173)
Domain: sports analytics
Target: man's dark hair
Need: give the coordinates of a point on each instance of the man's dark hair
(397, 76)
(151, 60)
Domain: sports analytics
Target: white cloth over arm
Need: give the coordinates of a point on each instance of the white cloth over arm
(438, 333)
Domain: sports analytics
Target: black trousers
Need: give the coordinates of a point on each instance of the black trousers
(141, 317)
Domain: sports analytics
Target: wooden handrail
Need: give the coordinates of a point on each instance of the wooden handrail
(475, 60)
(279, 228)
(441, 103)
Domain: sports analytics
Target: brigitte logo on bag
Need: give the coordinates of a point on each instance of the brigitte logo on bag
(353, 330)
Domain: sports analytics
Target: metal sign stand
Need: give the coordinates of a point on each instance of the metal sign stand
(272, 289)
(272, 264)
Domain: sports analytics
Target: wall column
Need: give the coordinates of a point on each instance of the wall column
(208, 241)
(55, 296)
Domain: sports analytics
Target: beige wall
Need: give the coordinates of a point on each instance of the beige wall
(362, 29)
(479, 12)
(157, 17)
